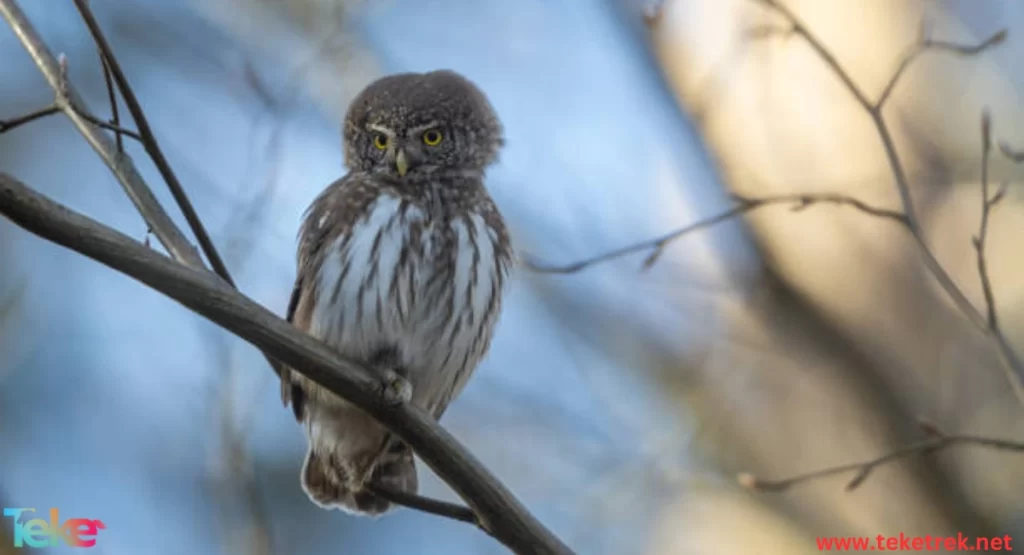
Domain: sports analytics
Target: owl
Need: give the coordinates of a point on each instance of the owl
(402, 264)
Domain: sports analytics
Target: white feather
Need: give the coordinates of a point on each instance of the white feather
(438, 352)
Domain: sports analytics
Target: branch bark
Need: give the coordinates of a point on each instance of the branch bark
(498, 512)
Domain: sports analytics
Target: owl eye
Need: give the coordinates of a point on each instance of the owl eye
(432, 137)
(380, 141)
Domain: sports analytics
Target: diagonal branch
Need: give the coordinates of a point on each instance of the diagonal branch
(150, 143)
(121, 165)
(497, 510)
(115, 118)
(9, 124)
(426, 505)
(743, 205)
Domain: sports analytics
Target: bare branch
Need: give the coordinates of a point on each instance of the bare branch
(115, 118)
(743, 205)
(926, 44)
(1013, 364)
(9, 124)
(498, 512)
(425, 504)
(150, 143)
(862, 470)
(121, 165)
(986, 209)
(1015, 371)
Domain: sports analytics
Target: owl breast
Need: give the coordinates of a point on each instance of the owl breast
(425, 288)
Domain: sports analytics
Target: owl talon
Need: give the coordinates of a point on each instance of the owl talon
(397, 390)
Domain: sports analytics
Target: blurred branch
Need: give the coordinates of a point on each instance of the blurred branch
(1013, 362)
(498, 512)
(743, 205)
(1010, 357)
(1017, 156)
(937, 442)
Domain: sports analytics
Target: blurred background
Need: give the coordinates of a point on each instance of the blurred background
(618, 404)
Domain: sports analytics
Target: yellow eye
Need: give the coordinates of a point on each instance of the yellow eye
(380, 141)
(432, 137)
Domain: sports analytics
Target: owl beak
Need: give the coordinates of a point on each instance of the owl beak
(401, 163)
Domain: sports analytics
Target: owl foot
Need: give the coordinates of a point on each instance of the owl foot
(397, 390)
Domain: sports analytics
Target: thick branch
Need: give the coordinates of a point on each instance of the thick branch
(743, 205)
(498, 511)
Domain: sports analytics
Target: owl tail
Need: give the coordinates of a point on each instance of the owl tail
(328, 485)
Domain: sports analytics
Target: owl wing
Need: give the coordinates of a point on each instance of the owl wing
(333, 213)
(288, 396)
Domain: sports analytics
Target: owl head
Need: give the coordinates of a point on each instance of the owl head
(415, 124)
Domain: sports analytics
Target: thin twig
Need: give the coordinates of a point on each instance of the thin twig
(115, 119)
(926, 44)
(118, 131)
(425, 504)
(986, 208)
(743, 205)
(499, 512)
(9, 124)
(1012, 362)
(1015, 370)
(936, 442)
(152, 146)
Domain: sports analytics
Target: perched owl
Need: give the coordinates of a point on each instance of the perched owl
(401, 265)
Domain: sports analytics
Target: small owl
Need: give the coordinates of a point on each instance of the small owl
(401, 266)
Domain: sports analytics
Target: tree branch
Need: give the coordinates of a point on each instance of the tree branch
(874, 109)
(424, 504)
(115, 118)
(743, 205)
(7, 125)
(498, 512)
(937, 442)
(151, 145)
(69, 102)
(1013, 362)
